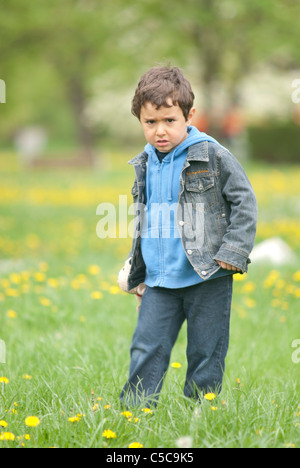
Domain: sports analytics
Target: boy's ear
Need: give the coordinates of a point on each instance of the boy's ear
(191, 115)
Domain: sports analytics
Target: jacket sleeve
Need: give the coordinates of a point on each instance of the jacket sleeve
(238, 241)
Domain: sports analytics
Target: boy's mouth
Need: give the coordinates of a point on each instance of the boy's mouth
(162, 142)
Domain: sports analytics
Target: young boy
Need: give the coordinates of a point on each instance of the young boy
(195, 228)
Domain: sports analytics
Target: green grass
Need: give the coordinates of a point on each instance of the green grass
(75, 347)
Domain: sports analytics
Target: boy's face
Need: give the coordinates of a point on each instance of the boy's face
(166, 127)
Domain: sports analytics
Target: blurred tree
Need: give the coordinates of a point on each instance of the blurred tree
(226, 38)
(52, 52)
(78, 39)
(15, 38)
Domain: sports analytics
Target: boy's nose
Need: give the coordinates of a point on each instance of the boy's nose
(160, 130)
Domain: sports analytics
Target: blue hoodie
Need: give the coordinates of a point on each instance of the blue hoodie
(166, 262)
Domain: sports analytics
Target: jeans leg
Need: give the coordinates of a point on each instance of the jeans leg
(160, 319)
(207, 307)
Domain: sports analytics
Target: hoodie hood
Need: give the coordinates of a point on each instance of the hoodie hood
(194, 137)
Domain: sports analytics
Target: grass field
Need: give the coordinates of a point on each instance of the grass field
(67, 327)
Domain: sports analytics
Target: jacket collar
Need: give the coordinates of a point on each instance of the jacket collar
(197, 152)
(140, 159)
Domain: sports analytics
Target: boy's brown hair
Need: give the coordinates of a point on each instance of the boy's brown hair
(160, 83)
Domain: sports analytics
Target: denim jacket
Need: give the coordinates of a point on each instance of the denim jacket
(216, 211)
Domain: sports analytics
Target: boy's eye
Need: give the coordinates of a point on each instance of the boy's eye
(170, 120)
(150, 122)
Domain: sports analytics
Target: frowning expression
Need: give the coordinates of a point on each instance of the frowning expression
(165, 127)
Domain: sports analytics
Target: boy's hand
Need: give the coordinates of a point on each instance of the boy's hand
(139, 294)
(226, 266)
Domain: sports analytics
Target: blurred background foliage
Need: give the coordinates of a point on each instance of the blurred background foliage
(71, 67)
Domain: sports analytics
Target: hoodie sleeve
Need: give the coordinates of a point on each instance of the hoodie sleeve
(239, 238)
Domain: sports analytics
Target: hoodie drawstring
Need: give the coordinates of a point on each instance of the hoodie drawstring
(147, 188)
(170, 181)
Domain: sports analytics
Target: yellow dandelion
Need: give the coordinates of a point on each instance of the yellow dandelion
(114, 290)
(3, 423)
(249, 287)
(209, 396)
(96, 295)
(74, 419)
(82, 279)
(240, 277)
(135, 420)
(53, 283)
(44, 301)
(135, 445)
(32, 421)
(127, 414)
(5, 283)
(11, 314)
(94, 270)
(108, 434)
(75, 284)
(39, 277)
(26, 377)
(11, 292)
(147, 410)
(15, 278)
(214, 408)
(107, 406)
(249, 302)
(4, 380)
(9, 436)
(25, 275)
(175, 365)
(271, 279)
(297, 293)
(296, 276)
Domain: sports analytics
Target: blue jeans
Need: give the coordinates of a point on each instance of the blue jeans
(206, 307)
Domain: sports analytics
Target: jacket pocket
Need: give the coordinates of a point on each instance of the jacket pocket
(201, 190)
